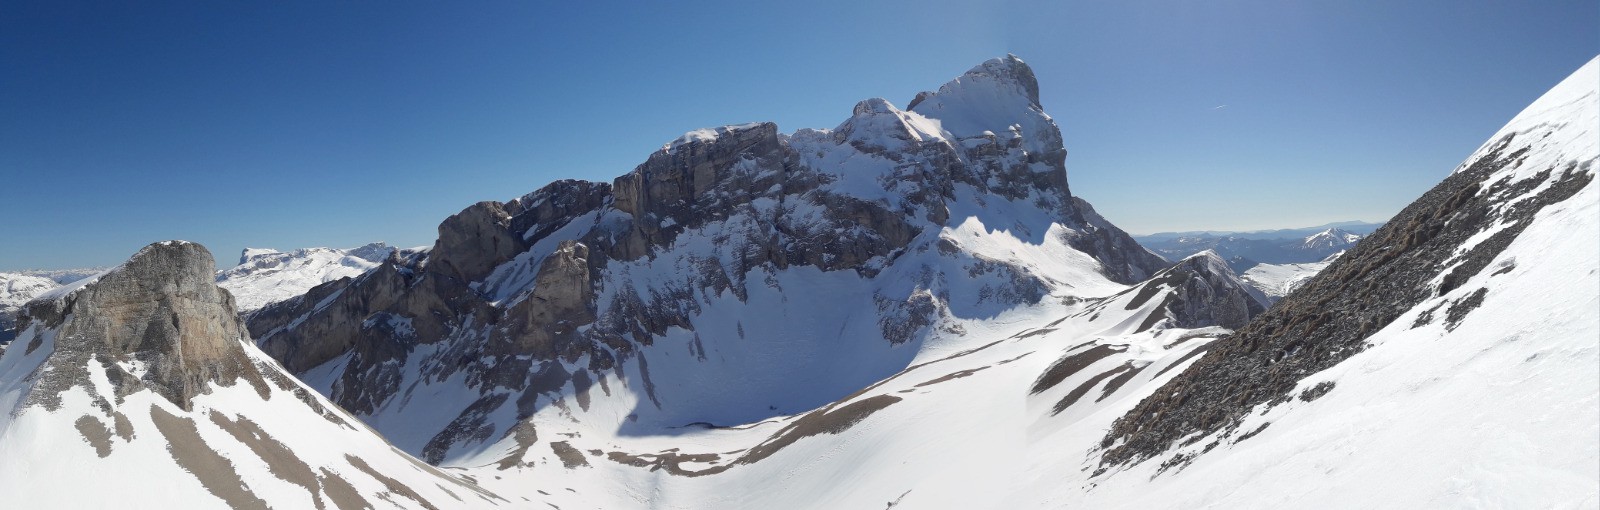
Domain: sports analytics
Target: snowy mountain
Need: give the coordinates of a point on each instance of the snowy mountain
(266, 276)
(1274, 281)
(907, 311)
(145, 373)
(1450, 363)
(15, 291)
(1448, 360)
(64, 276)
(1333, 238)
(1355, 226)
(263, 276)
(736, 276)
(1244, 250)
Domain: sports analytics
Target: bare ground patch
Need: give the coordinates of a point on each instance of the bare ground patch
(95, 433)
(215, 472)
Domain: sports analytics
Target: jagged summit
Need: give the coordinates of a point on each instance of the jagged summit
(1197, 292)
(857, 245)
(997, 99)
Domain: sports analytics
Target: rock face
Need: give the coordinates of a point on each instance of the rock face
(1197, 292)
(1207, 294)
(902, 211)
(1430, 249)
(563, 298)
(474, 241)
(161, 310)
(1123, 258)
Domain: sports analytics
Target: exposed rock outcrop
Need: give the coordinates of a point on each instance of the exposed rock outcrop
(1430, 249)
(1123, 260)
(160, 311)
(563, 299)
(474, 241)
(1202, 291)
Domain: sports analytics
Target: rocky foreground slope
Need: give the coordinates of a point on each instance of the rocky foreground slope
(1448, 360)
(145, 373)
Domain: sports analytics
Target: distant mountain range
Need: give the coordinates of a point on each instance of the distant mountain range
(1244, 250)
(1356, 226)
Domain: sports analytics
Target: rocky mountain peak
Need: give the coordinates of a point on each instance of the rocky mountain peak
(876, 125)
(915, 218)
(1007, 74)
(1331, 238)
(1011, 71)
(472, 242)
(1202, 291)
(157, 322)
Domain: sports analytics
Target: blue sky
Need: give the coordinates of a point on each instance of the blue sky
(294, 124)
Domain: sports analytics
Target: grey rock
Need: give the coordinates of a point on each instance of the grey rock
(563, 299)
(474, 241)
(1121, 258)
(514, 294)
(1204, 292)
(1328, 320)
(161, 309)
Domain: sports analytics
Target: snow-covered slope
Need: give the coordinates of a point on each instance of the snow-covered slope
(139, 389)
(65, 276)
(957, 428)
(1448, 360)
(16, 290)
(1274, 281)
(266, 276)
(737, 275)
(901, 313)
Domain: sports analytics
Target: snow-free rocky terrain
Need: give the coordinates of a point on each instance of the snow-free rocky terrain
(910, 310)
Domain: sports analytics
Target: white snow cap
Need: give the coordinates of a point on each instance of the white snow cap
(998, 97)
(707, 135)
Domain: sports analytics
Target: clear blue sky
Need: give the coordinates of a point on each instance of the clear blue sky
(294, 124)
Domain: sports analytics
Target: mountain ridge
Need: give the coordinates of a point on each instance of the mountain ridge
(574, 284)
